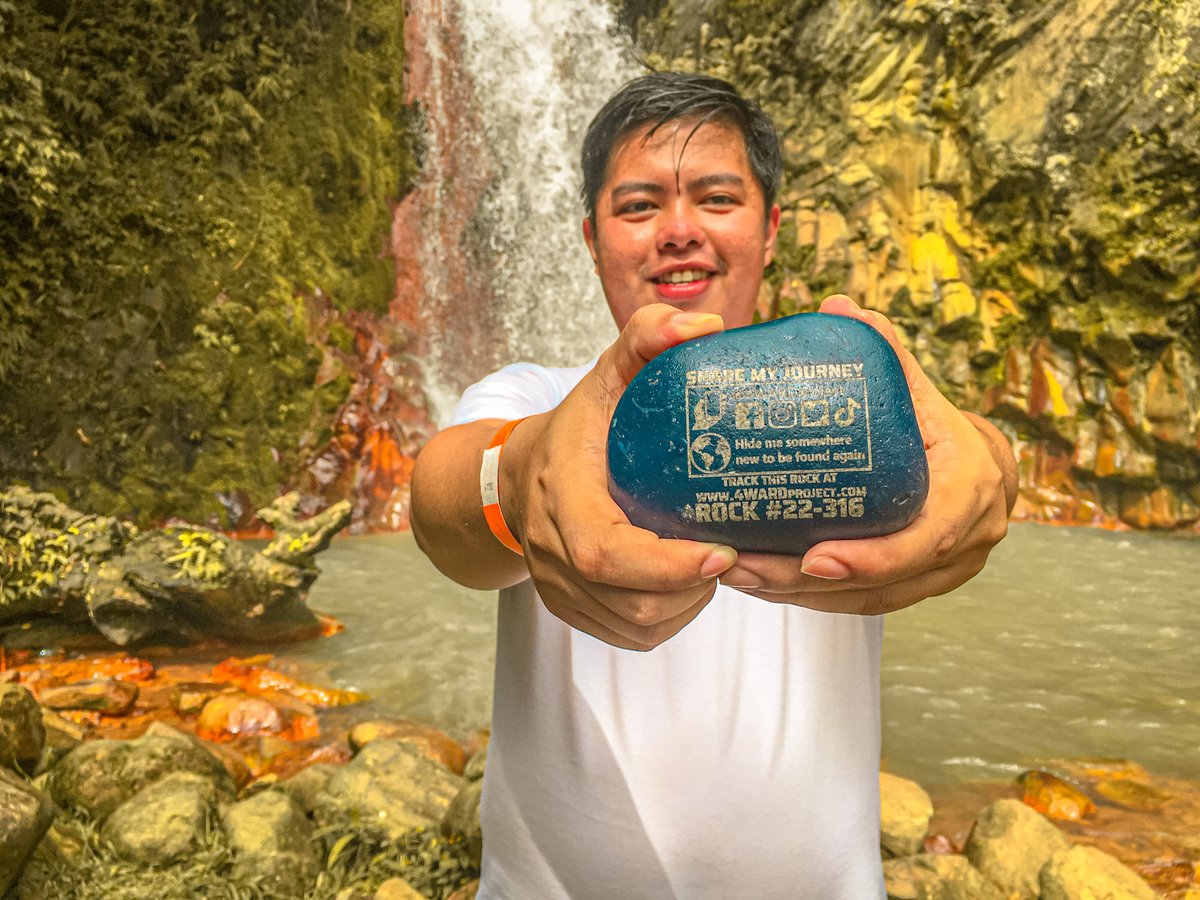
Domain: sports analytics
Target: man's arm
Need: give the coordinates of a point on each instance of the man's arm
(447, 517)
(972, 489)
(592, 568)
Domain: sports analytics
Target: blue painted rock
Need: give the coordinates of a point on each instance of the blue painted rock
(772, 438)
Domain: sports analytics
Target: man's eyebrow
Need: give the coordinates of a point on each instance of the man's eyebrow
(715, 180)
(636, 187)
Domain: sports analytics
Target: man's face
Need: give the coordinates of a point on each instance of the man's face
(686, 227)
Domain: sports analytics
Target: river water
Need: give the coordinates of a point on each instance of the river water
(1072, 642)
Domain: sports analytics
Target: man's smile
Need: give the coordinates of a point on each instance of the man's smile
(682, 276)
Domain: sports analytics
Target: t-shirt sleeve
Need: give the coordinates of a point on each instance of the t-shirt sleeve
(519, 390)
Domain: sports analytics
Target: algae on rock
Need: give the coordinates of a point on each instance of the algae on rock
(1017, 185)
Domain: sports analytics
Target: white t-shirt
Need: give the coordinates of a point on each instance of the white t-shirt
(739, 759)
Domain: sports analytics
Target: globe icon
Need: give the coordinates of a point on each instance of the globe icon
(710, 452)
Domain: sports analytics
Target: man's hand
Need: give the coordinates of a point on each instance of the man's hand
(593, 569)
(972, 488)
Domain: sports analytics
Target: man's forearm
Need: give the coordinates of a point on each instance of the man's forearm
(447, 516)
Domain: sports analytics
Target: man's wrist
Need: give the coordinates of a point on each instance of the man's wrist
(1002, 454)
(513, 475)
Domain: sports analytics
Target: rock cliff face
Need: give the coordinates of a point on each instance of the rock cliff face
(1017, 185)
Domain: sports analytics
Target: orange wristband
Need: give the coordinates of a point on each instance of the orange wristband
(489, 488)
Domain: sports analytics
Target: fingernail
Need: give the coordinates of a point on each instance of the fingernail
(825, 567)
(694, 321)
(720, 559)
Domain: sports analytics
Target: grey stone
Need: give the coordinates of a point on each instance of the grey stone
(463, 818)
(162, 822)
(306, 785)
(98, 776)
(1085, 873)
(1010, 843)
(475, 765)
(388, 784)
(22, 733)
(25, 814)
(905, 811)
(272, 839)
(935, 877)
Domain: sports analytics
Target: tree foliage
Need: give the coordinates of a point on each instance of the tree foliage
(175, 180)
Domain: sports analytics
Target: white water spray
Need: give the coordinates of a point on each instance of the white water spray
(540, 71)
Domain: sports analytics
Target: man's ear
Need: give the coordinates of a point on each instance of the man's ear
(772, 233)
(589, 236)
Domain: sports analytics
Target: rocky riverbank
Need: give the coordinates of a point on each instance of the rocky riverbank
(121, 778)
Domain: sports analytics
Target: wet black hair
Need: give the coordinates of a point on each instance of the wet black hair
(664, 97)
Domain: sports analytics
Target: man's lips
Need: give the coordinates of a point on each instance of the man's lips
(682, 284)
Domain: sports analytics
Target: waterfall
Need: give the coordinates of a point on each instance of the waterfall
(509, 91)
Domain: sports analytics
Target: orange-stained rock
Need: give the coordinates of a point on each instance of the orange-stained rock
(102, 695)
(68, 671)
(1103, 767)
(1054, 798)
(1053, 384)
(252, 674)
(277, 760)
(227, 716)
(233, 761)
(189, 697)
(477, 741)
(1170, 408)
(432, 743)
(1132, 794)
(1160, 508)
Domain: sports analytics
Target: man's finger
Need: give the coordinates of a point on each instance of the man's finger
(873, 601)
(650, 331)
(633, 620)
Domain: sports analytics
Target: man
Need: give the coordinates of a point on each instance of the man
(739, 756)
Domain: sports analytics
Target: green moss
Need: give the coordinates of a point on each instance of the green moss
(174, 182)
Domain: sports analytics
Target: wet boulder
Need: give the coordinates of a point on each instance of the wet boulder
(935, 877)
(390, 784)
(463, 818)
(22, 733)
(108, 696)
(98, 776)
(305, 786)
(905, 811)
(1010, 843)
(25, 814)
(227, 716)
(429, 741)
(1081, 873)
(1055, 798)
(271, 838)
(164, 821)
(81, 580)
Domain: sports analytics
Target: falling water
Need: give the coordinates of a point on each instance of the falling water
(529, 76)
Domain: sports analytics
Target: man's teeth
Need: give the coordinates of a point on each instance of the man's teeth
(683, 276)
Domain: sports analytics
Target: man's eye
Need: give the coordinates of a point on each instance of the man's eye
(720, 200)
(635, 206)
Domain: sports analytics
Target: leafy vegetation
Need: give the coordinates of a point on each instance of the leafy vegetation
(176, 183)
(76, 864)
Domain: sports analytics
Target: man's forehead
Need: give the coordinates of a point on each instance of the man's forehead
(678, 134)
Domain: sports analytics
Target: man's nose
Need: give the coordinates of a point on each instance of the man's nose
(679, 228)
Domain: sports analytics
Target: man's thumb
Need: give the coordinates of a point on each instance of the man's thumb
(649, 331)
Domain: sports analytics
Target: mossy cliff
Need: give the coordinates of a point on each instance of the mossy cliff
(1017, 184)
(194, 207)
